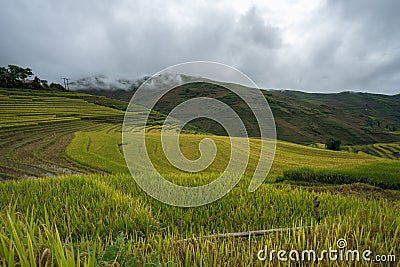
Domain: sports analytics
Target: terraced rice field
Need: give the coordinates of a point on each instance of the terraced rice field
(21, 110)
(105, 153)
(100, 217)
(35, 129)
(389, 151)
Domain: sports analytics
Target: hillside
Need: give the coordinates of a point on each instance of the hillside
(91, 212)
(104, 154)
(353, 118)
(36, 126)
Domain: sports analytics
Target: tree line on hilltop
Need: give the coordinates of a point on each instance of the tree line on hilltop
(14, 76)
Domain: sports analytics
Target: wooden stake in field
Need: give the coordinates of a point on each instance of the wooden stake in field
(316, 209)
(246, 234)
(181, 228)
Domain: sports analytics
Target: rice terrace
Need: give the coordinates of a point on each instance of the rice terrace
(68, 198)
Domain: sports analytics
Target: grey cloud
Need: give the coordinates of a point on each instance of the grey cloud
(343, 45)
(364, 49)
(254, 30)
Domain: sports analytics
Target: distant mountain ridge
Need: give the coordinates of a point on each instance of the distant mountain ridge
(354, 118)
(104, 82)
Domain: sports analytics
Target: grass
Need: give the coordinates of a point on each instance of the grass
(386, 150)
(36, 126)
(104, 153)
(33, 110)
(384, 175)
(97, 211)
(38, 150)
(100, 217)
(82, 225)
(39, 95)
(100, 151)
(27, 242)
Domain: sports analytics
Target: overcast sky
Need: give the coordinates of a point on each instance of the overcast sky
(313, 45)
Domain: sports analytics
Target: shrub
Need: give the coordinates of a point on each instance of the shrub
(333, 144)
(328, 176)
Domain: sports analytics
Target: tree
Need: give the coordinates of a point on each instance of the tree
(4, 77)
(17, 73)
(37, 83)
(57, 86)
(44, 83)
(14, 75)
(333, 144)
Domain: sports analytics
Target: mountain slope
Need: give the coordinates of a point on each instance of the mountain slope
(354, 118)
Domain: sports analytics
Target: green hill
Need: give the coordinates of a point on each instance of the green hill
(353, 118)
(93, 213)
(37, 125)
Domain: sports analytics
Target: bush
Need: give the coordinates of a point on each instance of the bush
(333, 144)
(328, 176)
